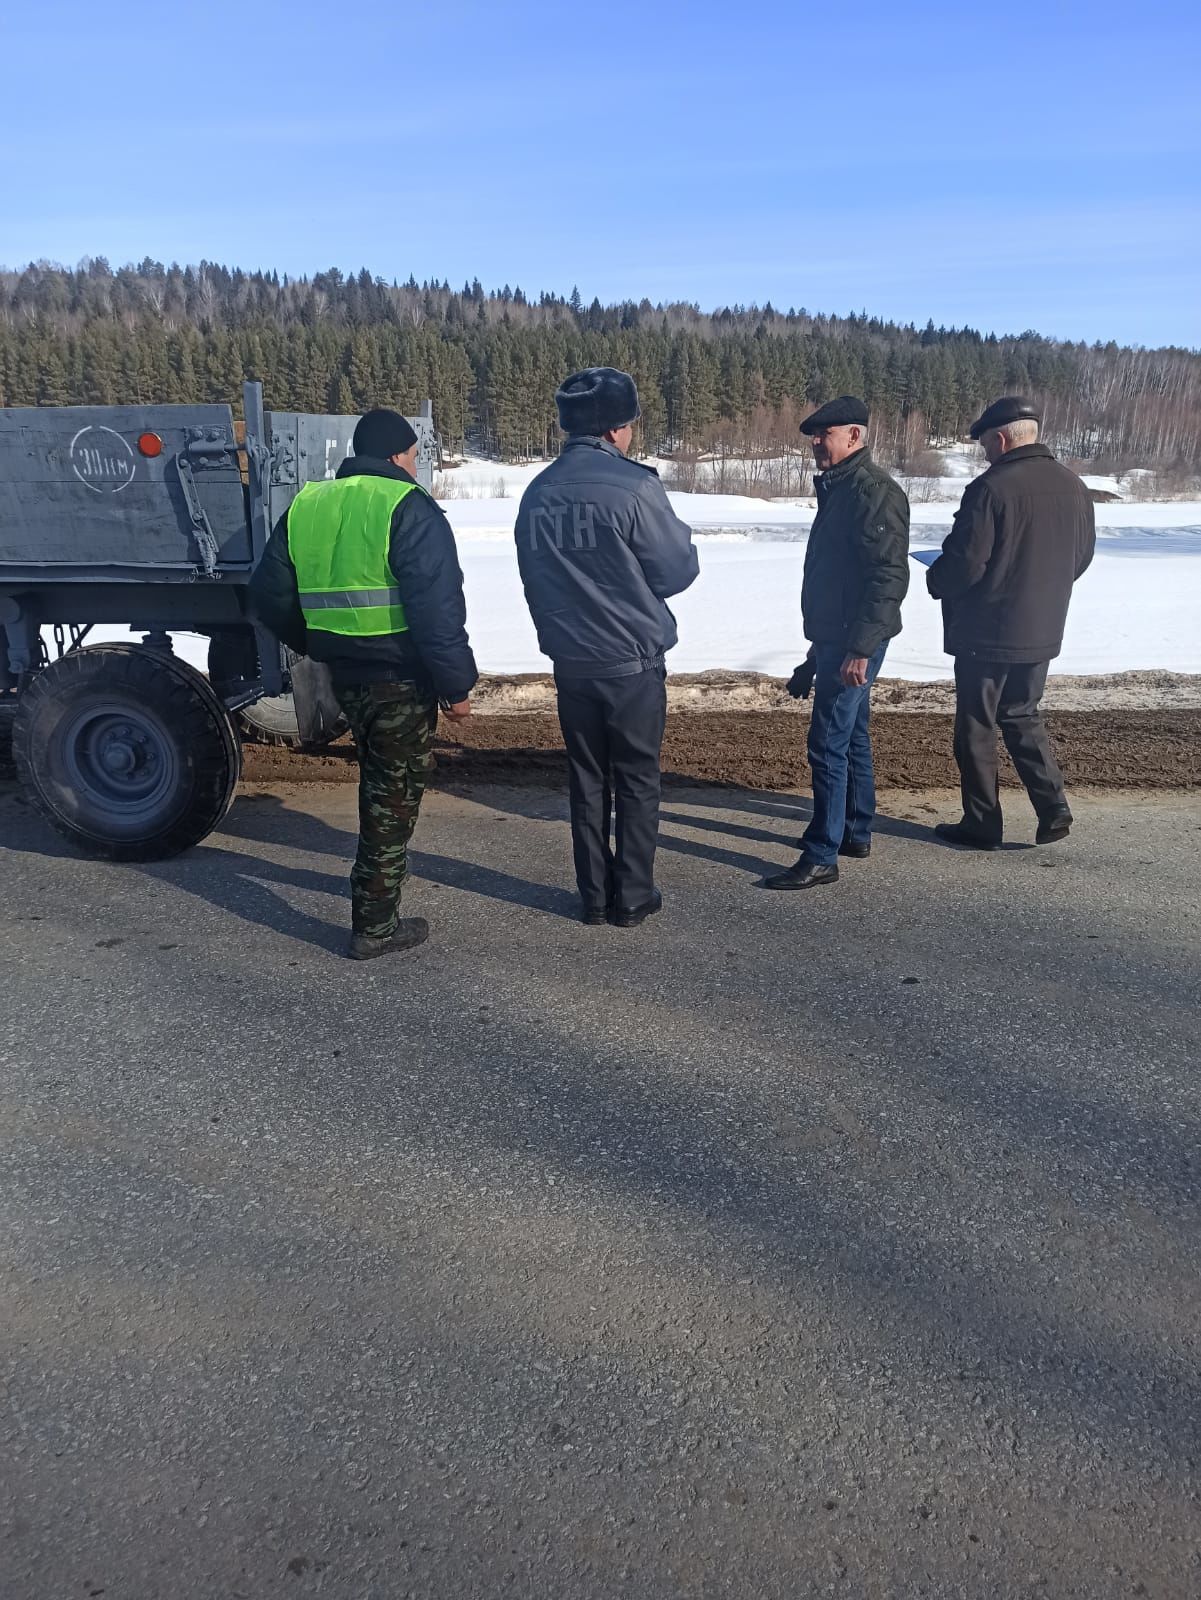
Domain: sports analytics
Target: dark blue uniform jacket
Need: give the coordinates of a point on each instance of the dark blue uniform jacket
(600, 551)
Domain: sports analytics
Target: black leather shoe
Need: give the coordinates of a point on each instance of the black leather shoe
(1054, 826)
(956, 833)
(634, 919)
(595, 916)
(804, 875)
(856, 852)
(409, 932)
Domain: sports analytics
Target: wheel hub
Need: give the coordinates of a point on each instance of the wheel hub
(123, 760)
(118, 756)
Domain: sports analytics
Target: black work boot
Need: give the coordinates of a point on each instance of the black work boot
(409, 932)
(1054, 826)
(804, 874)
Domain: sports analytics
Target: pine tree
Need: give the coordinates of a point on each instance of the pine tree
(98, 364)
(52, 387)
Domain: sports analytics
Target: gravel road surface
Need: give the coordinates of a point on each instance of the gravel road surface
(845, 1243)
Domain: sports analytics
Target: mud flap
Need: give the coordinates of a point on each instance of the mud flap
(318, 715)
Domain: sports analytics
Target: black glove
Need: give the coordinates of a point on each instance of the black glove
(800, 685)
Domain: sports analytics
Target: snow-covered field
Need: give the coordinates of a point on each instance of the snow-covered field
(1137, 607)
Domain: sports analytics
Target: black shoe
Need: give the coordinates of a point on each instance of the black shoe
(857, 852)
(804, 875)
(596, 916)
(409, 932)
(958, 833)
(1054, 826)
(634, 919)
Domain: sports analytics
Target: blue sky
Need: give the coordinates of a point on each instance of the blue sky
(1007, 167)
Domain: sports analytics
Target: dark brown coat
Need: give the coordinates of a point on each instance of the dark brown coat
(1023, 534)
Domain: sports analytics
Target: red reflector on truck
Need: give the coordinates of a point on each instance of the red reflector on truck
(150, 444)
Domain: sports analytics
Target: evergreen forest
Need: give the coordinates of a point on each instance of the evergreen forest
(738, 378)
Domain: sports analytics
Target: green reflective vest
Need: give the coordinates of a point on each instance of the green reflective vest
(338, 537)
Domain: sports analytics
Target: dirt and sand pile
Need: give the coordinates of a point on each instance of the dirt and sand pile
(1134, 731)
(719, 690)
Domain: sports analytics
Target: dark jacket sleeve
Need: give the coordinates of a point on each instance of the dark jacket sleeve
(661, 542)
(424, 560)
(272, 596)
(883, 538)
(968, 546)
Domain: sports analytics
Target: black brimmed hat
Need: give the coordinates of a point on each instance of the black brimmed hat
(847, 410)
(1009, 408)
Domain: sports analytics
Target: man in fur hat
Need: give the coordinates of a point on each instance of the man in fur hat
(600, 551)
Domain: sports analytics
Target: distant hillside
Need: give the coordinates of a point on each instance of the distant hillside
(739, 377)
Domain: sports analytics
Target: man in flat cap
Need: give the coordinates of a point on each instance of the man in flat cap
(600, 551)
(361, 572)
(856, 575)
(1023, 534)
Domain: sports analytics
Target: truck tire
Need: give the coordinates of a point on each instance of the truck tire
(126, 751)
(7, 714)
(271, 720)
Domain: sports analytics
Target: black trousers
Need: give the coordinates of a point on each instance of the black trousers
(613, 729)
(989, 695)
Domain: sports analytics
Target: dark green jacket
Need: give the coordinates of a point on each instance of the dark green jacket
(434, 652)
(857, 560)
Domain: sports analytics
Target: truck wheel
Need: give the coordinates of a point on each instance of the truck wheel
(126, 751)
(271, 720)
(7, 713)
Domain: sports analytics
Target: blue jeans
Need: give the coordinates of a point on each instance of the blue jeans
(840, 758)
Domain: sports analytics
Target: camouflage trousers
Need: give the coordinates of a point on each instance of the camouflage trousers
(393, 726)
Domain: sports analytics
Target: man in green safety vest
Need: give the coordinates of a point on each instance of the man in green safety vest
(361, 572)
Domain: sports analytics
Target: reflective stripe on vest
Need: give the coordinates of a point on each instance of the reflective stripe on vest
(339, 532)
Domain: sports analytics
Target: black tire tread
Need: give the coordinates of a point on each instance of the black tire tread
(8, 713)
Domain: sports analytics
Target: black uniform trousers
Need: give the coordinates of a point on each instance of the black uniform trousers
(613, 730)
(994, 694)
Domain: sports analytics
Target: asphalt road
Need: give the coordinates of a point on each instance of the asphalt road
(845, 1243)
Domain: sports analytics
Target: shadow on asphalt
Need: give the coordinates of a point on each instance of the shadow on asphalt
(609, 1111)
(265, 818)
(241, 884)
(912, 1267)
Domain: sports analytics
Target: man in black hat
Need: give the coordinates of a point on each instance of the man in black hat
(361, 573)
(600, 551)
(1024, 532)
(856, 575)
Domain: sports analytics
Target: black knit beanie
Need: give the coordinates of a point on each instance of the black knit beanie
(596, 400)
(382, 434)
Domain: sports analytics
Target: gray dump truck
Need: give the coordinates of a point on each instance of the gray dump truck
(151, 518)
